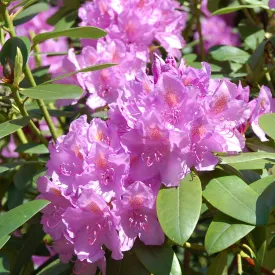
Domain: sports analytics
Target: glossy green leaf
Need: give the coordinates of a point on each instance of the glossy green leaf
(79, 32)
(233, 8)
(3, 241)
(12, 126)
(266, 189)
(24, 176)
(29, 13)
(245, 161)
(84, 70)
(253, 36)
(159, 260)
(14, 218)
(179, 209)
(129, 263)
(259, 238)
(7, 166)
(219, 265)
(32, 240)
(67, 21)
(32, 148)
(9, 50)
(56, 268)
(223, 190)
(53, 92)
(229, 53)
(223, 232)
(267, 123)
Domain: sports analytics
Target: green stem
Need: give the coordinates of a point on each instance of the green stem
(2, 37)
(22, 136)
(37, 56)
(24, 113)
(30, 77)
(239, 262)
(197, 15)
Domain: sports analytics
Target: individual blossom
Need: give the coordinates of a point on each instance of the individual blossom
(137, 211)
(89, 226)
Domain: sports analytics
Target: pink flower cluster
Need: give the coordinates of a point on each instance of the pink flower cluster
(133, 26)
(103, 177)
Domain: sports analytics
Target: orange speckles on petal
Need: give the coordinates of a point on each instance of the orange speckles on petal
(56, 192)
(104, 75)
(137, 201)
(187, 81)
(198, 131)
(99, 136)
(101, 162)
(171, 99)
(155, 133)
(262, 103)
(146, 86)
(93, 207)
(76, 149)
(220, 104)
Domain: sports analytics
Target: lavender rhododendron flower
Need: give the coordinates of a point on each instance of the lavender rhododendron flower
(132, 28)
(103, 177)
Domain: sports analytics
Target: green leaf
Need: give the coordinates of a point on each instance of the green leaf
(12, 126)
(223, 232)
(223, 190)
(229, 53)
(7, 166)
(252, 35)
(32, 240)
(56, 268)
(79, 32)
(29, 13)
(32, 148)
(24, 176)
(84, 70)
(245, 161)
(259, 237)
(267, 123)
(159, 260)
(14, 218)
(9, 50)
(67, 21)
(179, 209)
(3, 241)
(18, 68)
(233, 8)
(219, 265)
(266, 189)
(129, 263)
(53, 92)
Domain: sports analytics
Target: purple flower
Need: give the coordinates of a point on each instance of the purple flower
(90, 225)
(85, 268)
(271, 4)
(137, 211)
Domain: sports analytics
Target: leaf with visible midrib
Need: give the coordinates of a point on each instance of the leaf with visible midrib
(234, 197)
(12, 126)
(79, 32)
(14, 218)
(223, 232)
(53, 92)
(179, 209)
(159, 260)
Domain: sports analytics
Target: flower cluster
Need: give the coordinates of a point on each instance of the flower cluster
(103, 177)
(133, 27)
(213, 26)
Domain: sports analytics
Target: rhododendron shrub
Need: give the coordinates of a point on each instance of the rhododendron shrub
(137, 137)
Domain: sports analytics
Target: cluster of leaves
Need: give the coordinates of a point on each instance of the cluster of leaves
(219, 222)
